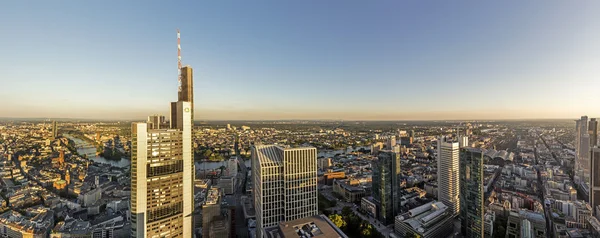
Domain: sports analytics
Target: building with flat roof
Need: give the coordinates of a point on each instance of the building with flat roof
(430, 220)
(318, 226)
(350, 193)
(386, 186)
(162, 176)
(285, 184)
(210, 210)
(471, 192)
(447, 174)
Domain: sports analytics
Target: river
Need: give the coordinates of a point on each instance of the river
(90, 150)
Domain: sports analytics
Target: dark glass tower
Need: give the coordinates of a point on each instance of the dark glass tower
(471, 191)
(386, 186)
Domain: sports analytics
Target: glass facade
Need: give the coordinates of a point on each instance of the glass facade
(471, 192)
(386, 186)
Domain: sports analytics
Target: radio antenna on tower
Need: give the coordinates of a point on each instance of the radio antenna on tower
(178, 61)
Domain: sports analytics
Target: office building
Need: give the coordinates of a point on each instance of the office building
(313, 226)
(211, 209)
(525, 223)
(582, 148)
(595, 181)
(285, 184)
(430, 220)
(54, 130)
(463, 141)
(471, 191)
(232, 167)
(324, 163)
(157, 122)
(447, 173)
(162, 176)
(593, 132)
(526, 229)
(386, 186)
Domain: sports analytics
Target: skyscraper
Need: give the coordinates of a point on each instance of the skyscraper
(162, 176)
(582, 149)
(54, 130)
(285, 184)
(386, 186)
(187, 87)
(593, 132)
(448, 175)
(471, 192)
(595, 181)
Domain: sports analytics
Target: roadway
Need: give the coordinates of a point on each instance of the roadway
(327, 193)
(241, 228)
(541, 191)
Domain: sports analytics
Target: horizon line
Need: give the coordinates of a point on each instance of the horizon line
(253, 120)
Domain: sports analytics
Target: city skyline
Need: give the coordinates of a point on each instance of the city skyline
(356, 61)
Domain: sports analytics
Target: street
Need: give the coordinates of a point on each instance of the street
(240, 222)
(327, 193)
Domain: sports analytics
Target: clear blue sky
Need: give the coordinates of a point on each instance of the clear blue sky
(302, 59)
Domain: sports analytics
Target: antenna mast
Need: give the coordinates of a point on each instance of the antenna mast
(178, 61)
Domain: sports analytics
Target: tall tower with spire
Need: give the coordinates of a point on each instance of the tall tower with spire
(162, 172)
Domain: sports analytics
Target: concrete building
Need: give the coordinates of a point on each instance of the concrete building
(526, 229)
(313, 226)
(386, 186)
(211, 209)
(471, 192)
(54, 130)
(162, 177)
(582, 149)
(285, 184)
(430, 220)
(350, 193)
(227, 183)
(447, 173)
(536, 224)
(324, 163)
(232, 167)
(368, 205)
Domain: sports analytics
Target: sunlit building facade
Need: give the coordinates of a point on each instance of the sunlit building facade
(285, 184)
(448, 175)
(162, 178)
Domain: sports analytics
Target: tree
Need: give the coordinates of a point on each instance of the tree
(367, 230)
(337, 220)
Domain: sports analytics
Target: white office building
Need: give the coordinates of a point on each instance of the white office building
(285, 184)
(447, 173)
(162, 177)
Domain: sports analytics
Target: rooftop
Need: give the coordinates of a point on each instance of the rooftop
(421, 218)
(315, 226)
(212, 197)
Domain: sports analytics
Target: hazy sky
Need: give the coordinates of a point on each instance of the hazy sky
(388, 60)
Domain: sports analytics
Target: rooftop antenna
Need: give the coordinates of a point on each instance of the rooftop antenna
(178, 61)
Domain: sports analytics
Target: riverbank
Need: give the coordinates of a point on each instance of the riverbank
(84, 148)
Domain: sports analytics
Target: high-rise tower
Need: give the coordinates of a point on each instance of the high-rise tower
(386, 186)
(162, 175)
(595, 180)
(471, 192)
(285, 184)
(448, 175)
(582, 150)
(54, 130)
